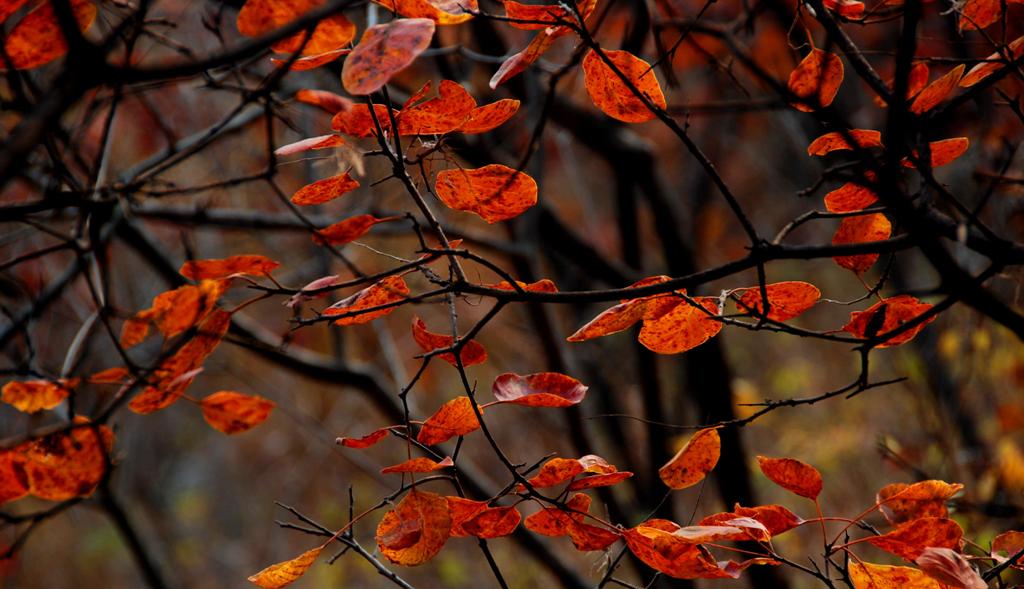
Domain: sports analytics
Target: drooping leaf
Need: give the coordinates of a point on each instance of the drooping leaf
(420, 464)
(37, 39)
(887, 315)
(389, 291)
(383, 51)
(837, 140)
(472, 353)
(910, 539)
(494, 192)
(792, 475)
(786, 300)
(694, 460)
(937, 91)
(31, 396)
(950, 567)
(285, 573)
(866, 575)
(544, 389)
(454, 418)
(426, 514)
(318, 142)
(493, 522)
(861, 229)
(616, 98)
(365, 441)
(251, 265)
(349, 230)
(517, 63)
(233, 413)
(816, 80)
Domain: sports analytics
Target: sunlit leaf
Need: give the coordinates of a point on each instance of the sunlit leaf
(942, 152)
(31, 396)
(366, 441)
(680, 326)
(454, 418)
(442, 12)
(443, 114)
(837, 140)
(816, 80)
(775, 518)
(849, 197)
(285, 573)
(861, 229)
(415, 530)
(937, 91)
(901, 502)
(325, 190)
(910, 539)
(792, 475)
(232, 413)
(493, 522)
(472, 353)
(388, 291)
(694, 460)
(866, 575)
(612, 95)
(786, 299)
(993, 63)
(489, 116)
(494, 192)
(420, 464)
(885, 316)
(328, 102)
(359, 122)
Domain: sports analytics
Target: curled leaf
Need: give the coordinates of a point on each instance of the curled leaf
(285, 573)
(415, 530)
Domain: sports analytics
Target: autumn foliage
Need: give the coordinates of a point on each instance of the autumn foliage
(544, 248)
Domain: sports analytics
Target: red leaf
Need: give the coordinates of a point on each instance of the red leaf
(887, 315)
(494, 192)
(454, 418)
(325, 190)
(613, 96)
(792, 475)
(384, 51)
(816, 80)
(544, 389)
(472, 353)
(388, 291)
(861, 229)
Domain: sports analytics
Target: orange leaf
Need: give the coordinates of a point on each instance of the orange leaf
(846, 8)
(943, 152)
(115, 375)
(384, 51)
(786, 299)
(543, 16)
(493, 522)
(462, 510)
(309, 62)
(618, 318)
(420, 464)
(937, 91)
(437, 116)
(366, 441)
(866, 575)
(544, 389)
(816, 80)
(31, 396)
(252, 265)
(388, 291)
(494, 192)
(37, 39)
(613, 96)
(67, 464)
(330, 36)
(680, 326)
(979, 14)
(910, 539)
(518, 62)
(328, 102)
(861, 229)
(359, 122)
(472, 353)
(901, 502)
(284, 573)
(887, 315)
(557, 471)
(837, 140)
(325, 190)
(454, 418)
(599, 480)
(543, 285)
(653, 543)
(442, 12)
(792, 475)
(489, 116)
(775, 518)
(232, 413)
(426, 514)
(258, 17)
(850, 197)
(693, 461)
(552, 521)
(13, 479)
(586, 537)
(348, 230)
(993, 63)
(176, 373)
